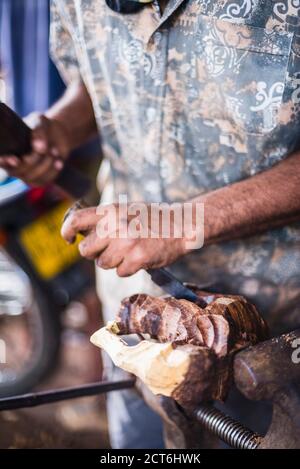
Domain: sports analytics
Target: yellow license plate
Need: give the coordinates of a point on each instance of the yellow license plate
(46, 249)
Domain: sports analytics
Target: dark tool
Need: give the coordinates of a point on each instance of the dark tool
(227, 429)
(47, 397)
(170, 284)
(271, 370)
(266, 371)
(15, 139)
(197, 428)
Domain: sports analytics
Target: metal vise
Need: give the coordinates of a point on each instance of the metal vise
(267, 371)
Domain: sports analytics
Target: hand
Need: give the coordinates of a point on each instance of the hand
(107, 242)
(50, 148)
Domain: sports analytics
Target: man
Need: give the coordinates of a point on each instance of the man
(195, 100)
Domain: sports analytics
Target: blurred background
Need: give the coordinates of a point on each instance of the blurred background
(48, 303)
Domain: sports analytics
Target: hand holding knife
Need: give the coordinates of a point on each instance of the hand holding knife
(15, 139)
(160, 276)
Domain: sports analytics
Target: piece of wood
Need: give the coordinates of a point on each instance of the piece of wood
(225, 324)
(187, 373)
(190, 359)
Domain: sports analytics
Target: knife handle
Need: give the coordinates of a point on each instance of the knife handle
(15, 139)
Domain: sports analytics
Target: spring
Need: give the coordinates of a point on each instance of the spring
(227, 429)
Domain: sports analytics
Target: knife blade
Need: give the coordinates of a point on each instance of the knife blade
(170, 284)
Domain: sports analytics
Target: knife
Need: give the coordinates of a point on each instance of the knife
(15, 139)
(160, 276)
(170, 284)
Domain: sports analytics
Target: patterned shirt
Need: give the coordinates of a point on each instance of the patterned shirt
(191, 99)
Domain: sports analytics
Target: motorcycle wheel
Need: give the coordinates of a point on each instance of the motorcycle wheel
(29, 331)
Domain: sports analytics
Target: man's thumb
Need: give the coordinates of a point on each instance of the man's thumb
(40, 138)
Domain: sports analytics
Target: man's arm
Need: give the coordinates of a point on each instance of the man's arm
(68, 124)
(74, 111)
(261, 202)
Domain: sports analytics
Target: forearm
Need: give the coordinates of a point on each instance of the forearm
(74, 111)
(264, 201)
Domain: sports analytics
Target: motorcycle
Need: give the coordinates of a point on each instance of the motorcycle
(39, 275)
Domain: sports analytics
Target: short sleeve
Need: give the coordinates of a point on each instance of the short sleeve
(62, 47)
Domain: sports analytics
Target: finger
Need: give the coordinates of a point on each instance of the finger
(27, 165)
(134, 261)
(45, 142)
(39, 142)
(6, 167)
(13, 161)
(60, 148)
(92, 246)
(114, 254)
(54, 152)
(42, 139)
(58, 156)
(35, 160)
(42, 173)
(9, 162)
(40, 135)
(79, 221)
(58, 164)
(32, 159)
(126, 269)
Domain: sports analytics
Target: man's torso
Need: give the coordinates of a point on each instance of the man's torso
(205, 95)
